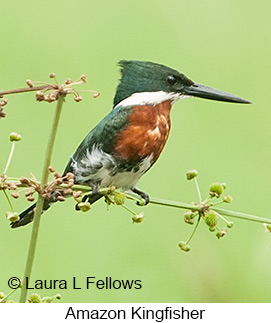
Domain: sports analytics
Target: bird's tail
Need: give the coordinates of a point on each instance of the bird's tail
(27, 215)
(94, 197)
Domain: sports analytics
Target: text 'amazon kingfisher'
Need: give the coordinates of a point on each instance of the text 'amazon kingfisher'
(129, 140)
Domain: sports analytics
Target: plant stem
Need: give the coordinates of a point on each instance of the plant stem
(39, 206)
(198, 190)
(8, 199)
(10, 157)
(195, 229)
(233, 214)
(9, 294)
(242, 216)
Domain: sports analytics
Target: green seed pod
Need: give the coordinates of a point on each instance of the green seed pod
(119, 199)
(141, 202)
(14, 136)
(230, 224)
(267, 227)
(227, 198)
(138, 218)
(189, 217)
(34, 298)
(215, 189)
(211, 218)
(12, 216)
(84, 206)
(212, 229)
(191, 174)
(2, 295)
(184, 246)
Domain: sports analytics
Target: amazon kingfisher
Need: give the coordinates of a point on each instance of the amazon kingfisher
(130, 139)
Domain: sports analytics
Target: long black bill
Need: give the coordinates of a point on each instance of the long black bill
(206, 92)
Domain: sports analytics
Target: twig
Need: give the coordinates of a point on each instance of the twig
(29, 89)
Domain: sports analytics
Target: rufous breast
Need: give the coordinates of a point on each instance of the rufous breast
(146, 133)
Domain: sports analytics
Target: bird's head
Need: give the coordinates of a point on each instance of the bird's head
(150, 83)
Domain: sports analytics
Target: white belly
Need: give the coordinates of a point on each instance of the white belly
(87, 170)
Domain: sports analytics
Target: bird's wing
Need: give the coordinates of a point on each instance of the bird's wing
(102, 135)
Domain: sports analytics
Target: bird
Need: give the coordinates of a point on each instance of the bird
(129, 140)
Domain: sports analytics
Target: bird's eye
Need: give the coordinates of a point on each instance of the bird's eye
(171, 79)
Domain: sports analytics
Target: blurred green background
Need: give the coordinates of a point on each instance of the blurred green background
(224, 44)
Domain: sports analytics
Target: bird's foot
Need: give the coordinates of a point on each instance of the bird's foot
(143, 195)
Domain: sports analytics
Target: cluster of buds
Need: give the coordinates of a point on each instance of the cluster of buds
(36, 298)
(55, 186)
(3, 102)
(205, 210)
(5, 185)
(31, 186)
(50, 92)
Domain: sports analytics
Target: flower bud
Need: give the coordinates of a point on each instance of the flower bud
(78, 98)
(3, 102)
(83, 78)
(215, 189)
(58, 296)
(267, 227)
(51, 169)
(15, 195)
(84, 206)
(211, 218)
(14, 136)
(30, 198)
(119, 198)
(77, 195)
(138, 218)
(52, 75)
(227, 198)
(189, 217)
(12, 216)
(2, 295)
(230, 224)
(61, 198)
(40, 96)
(29, 83)
(68, 191)
(184, 246)
(191, 174)
(220, 234)
(24, 181)
(46, 299)
(34, 298)
(2, 113)
(68, 81)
